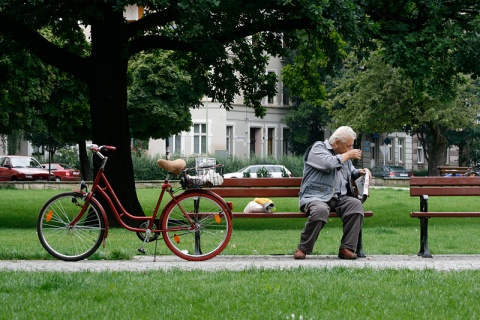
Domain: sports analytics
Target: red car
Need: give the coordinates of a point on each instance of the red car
(22, 168)
(63, 172)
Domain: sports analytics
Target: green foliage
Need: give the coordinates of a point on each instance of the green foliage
(263, 173)
(160, 96)
(431, 41)
(146, 168)
(372, 96)
(306, 124)
(68, 156)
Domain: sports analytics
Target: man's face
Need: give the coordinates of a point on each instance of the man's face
(341, 147)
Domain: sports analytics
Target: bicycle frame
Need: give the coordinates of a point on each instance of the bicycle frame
(108, 194)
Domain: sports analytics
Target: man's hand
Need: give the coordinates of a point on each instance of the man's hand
(363, 171)
(352, 155)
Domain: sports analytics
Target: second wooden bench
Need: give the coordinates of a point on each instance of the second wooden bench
(269, 188)
(424, 187)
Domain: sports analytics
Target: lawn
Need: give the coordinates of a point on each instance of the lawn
(389, 231)
(336, 293)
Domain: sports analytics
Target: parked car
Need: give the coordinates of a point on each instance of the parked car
(63, 172)
(390, 171)
(22, 168)
(275, 171)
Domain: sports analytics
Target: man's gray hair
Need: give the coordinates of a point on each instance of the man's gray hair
(342, 134)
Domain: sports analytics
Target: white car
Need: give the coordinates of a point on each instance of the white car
(275, 171)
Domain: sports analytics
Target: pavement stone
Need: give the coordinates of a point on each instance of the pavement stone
(239, 263)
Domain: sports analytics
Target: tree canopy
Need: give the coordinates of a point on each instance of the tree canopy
(225, 46)
(372, 96)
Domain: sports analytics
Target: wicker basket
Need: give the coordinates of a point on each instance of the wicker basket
(203, 177)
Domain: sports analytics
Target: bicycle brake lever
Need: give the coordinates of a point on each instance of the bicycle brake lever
(92, 146)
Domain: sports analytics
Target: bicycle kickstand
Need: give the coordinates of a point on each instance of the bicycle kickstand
(147, 235)
(155, 253)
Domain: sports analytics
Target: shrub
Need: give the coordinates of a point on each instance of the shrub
(145, 166)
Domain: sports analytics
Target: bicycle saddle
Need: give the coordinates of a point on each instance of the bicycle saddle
(173, 166)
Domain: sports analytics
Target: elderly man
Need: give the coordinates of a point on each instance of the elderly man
(326, 185)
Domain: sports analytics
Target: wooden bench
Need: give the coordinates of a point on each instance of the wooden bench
(269, 188)
(424, 187)
(454, 171)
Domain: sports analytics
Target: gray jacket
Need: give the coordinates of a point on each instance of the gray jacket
(320, 173)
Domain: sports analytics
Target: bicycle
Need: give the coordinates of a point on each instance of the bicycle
(196, 224)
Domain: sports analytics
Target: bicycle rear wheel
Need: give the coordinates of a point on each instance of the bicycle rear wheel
(59, 238)
(208, 233)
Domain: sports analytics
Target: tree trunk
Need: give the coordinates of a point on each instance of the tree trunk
(108, 106)
(435, 145)
(85, 168)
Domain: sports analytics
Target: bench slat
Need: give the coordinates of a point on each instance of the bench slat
(445, 191)
(441, 214)
(256, 192)
(445, 186)
(261, 182)
(284, 215)
(444, 181)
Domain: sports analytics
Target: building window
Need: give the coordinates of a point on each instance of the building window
(270, 134)
(285, 96)
(38, 150)
(271, 99)
(390, 153)
(286, 132)
(229, 142)
(420, 158)
(401, 155)
(175, 144)
(200, 138)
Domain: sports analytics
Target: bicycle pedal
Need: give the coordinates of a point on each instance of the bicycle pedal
(141, 250)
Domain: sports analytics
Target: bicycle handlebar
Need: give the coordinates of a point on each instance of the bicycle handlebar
(95, 148)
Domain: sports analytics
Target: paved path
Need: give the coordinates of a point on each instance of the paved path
(237, 263)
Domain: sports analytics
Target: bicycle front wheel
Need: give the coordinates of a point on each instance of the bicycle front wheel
(65, 241)
(205, 234)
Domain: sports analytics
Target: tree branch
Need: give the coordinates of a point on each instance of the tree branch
(42, 48)
(166, 43)
(153, 20)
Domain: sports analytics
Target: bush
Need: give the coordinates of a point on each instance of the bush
(145, 166)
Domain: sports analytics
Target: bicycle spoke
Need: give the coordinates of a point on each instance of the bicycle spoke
(207, 234)
(64, 240)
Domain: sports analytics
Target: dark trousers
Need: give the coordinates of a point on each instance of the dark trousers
(349, 209)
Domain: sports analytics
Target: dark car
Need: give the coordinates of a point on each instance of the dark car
(22, 168)
(391, 171)
(63, 172)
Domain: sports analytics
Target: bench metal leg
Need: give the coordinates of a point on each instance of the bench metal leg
(359, 251)
(424, 251)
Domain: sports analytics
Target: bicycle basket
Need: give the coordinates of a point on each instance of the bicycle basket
(204, 177)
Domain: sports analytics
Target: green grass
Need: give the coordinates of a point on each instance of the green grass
(338, 293)
(389, 231)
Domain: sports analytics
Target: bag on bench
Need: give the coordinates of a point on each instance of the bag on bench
(259, 205)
